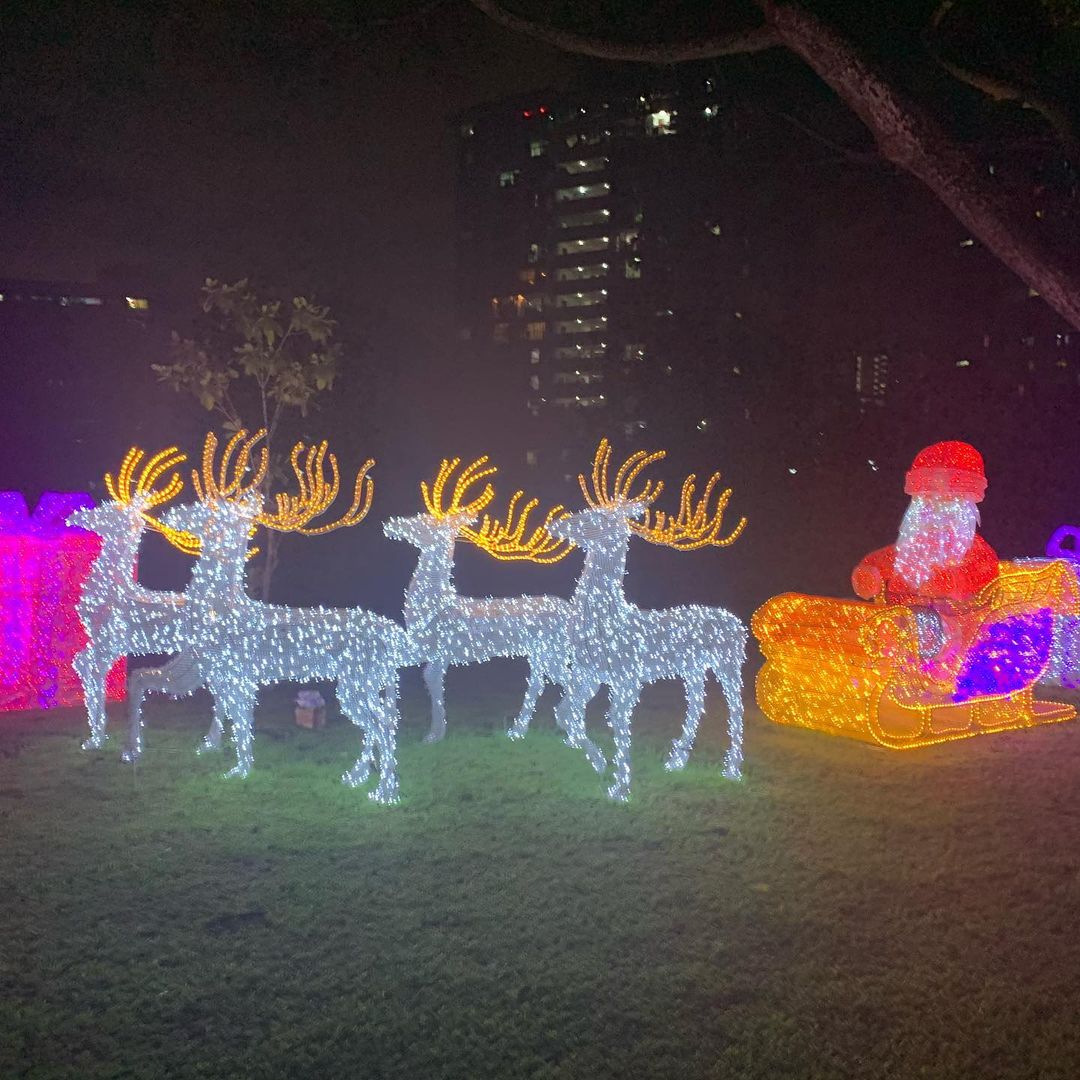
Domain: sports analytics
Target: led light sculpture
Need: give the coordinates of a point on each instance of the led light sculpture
(448, 629)
(611, 642)
(951, 643)
(43, 564)
(121, 618)
(1064, 667)
(242, 644)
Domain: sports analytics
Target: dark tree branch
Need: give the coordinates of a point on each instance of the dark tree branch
(750, 40)
(997, 89)
(905, 135)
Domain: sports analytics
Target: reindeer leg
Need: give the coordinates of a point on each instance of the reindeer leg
(570, 716)
(387, 791)
(435, 678)
(360, 771)
(694, 685)
(731, 684)
(92, 668)
(139, 682)
(623, 700)
(520, 727)
(240, 708)
(210, 743)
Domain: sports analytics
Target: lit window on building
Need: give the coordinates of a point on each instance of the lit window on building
(534, 382)
(660, 122)
(634, 351)
(714, 228)
(584, 165)
(527, 276)
(500, 333)
(578, 353)
(534, 356)
(537, 148)
(580, 273)
(534, 303)
(530, 457)
(632, 267)
(627, 240)
(711, 112)
(582, 247)
(534, 253)
(578, 378)
(583, 191)
(581, 326)
(872, 378)
(467, 130)
(963, 362)
(509, 177)
(138, 303)
(582, 299)
(581, 221)
(535, 331)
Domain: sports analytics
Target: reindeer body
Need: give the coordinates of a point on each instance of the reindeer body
(243, 645)
(446, 629)
(613, 643)
(121, 617)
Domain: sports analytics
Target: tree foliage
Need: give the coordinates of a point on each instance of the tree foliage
(250, 354)
(256, 362)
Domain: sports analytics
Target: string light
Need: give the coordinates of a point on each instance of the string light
(43, 565)
(121, 617)
(611, 642)
(1064, 667)
(446, 629)
(239, 645)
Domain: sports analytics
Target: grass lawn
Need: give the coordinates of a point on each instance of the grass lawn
(842, 912)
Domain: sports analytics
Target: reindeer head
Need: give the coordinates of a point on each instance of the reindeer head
(230, 501)
(618, 510)
(442, 521)
(131, 499)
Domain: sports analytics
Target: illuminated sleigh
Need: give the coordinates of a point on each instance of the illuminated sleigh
(855, 668)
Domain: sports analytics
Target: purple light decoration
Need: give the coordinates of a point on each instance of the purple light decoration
(1055, 546)
(1065, 661)
(43, 564)
(1008, 656)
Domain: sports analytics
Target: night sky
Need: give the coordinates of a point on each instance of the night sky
(294, 142)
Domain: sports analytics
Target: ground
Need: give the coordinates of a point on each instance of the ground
(843, 911)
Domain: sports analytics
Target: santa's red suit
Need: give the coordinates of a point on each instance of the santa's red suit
(945, 472)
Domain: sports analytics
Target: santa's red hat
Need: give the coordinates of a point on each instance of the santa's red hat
(947, 468)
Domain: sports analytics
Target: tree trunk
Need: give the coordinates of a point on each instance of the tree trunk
(270, 561)
(909, 138)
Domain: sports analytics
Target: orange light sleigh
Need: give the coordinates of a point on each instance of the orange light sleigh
(854, 668)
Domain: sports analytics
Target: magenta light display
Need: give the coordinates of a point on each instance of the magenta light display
(43, 563)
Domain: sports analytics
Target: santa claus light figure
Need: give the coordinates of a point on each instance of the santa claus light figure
(939, 561)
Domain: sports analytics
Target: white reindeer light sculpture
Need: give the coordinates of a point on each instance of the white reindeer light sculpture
(121, 618)
(614, 643)
(448, 629)
(243, 644)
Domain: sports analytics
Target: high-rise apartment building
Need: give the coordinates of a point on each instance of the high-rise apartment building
(573, 217)
(681, 263)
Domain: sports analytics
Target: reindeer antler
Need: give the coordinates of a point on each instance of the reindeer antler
(122, 491)
(695, 526)
(507, 540)
(470, 476)
(316, 494)
(229, 482)
(599, 495)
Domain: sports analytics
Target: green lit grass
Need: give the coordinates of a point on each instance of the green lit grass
(843, 912)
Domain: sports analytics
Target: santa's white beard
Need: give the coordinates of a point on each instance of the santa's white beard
(935, 532)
